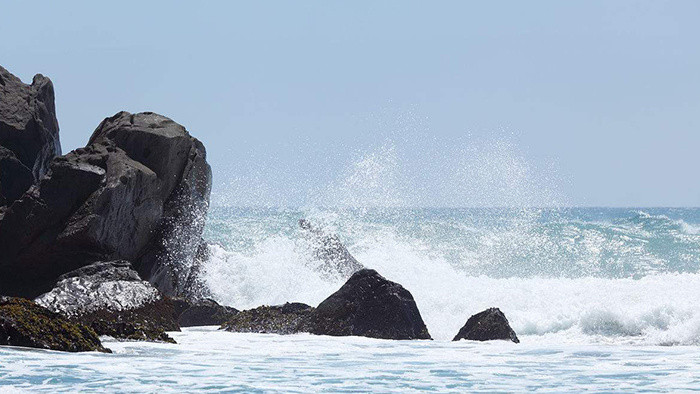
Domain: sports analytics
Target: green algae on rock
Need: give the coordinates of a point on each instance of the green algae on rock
(24, 323)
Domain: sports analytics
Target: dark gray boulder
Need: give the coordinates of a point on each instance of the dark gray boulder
(28, 124)
(327, 248)
(289, 318)
(369, 305)
(24, 323)
(111, 298)
(206, 312)
(139, 191)
(487, 325)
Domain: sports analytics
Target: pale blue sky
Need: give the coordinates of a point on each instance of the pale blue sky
(419, 103)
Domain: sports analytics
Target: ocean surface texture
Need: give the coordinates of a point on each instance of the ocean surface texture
(601, 299)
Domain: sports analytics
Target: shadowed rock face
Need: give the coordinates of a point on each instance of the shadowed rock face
(278, 319)
(24, 323)
(28, 124)
(327, 248)
(138, 191)
(111, 298)
(487, 325)
(369, 305)
(15, 177)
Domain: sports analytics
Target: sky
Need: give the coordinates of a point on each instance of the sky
(583, 103)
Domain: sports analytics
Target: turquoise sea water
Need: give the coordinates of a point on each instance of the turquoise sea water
(602, 299)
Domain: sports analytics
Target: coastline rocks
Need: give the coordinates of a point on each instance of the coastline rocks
(328, 249)
(112, 299)
(487, 325)
(24, 323)
(289, 318)
(369, 305)
(138, 191)
(28, 124)
(206, 312)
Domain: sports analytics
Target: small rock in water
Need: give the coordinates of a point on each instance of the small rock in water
(205, 313)
(24, 323)
(279, 319)
(369, 305)
(112, 299)
(487, 325)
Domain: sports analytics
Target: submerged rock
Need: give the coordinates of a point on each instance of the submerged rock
(206, 312)
(28, 124)
(327, 248)
(289, 318)
(139, 191)
(487, 325)
(111, 298)
(369, 305)
(24, 323)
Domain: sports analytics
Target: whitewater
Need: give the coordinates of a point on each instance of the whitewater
(601, 298)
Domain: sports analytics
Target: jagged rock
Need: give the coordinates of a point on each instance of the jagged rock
(328, 249)
(289, 318)
(28, 125)
(15, 177)
(206, 312)
(138, 191)
(112, 299)
(369, 305)
(24, 323)
(487, 325)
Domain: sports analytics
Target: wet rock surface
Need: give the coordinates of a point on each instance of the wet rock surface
(24, 323)
(487, 325)
(369, 305)
(111, 298)
(289, 318)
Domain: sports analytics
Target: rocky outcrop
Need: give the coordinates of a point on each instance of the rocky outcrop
(112, 299)
(24, 323)
(369, 305)
(139, 191)
(28, 124)
(327, 248)
(289, 318)
(205, 312)
(487, 325)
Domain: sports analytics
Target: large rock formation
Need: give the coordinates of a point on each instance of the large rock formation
(327, 248)
(24, 323)
(369, 305)
(28, 125)
(15, 177)
(139, 191)
(487, 325)
(289, 318)
(111, 298)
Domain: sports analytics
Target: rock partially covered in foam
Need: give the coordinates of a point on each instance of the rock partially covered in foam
(289, 318)
(24, 323)
(112, 299)
(487, 325)
(369, 305)
(327, 248)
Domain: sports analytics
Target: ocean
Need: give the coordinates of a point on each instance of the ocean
(601, 298)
